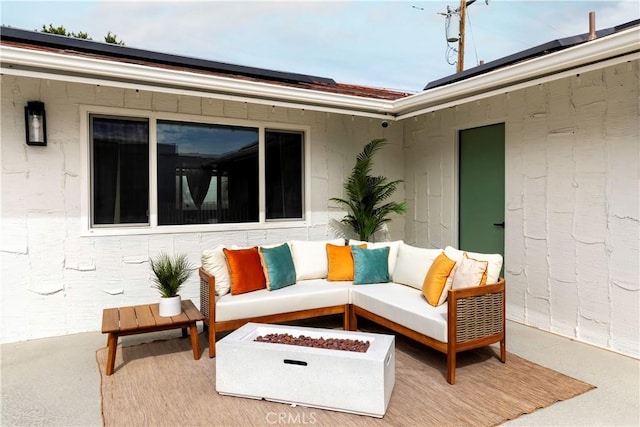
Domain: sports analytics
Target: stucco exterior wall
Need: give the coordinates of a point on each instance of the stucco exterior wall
(572, 200)
(55, 281)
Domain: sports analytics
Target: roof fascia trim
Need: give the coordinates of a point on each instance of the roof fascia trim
(189, 92)
(183, 82)
(110, 72)
(523, 85)
(597, 50)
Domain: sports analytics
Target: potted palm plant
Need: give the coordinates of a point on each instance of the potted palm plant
(170, 273)
(366, 195)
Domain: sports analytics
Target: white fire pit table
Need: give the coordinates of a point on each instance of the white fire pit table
(338, 380)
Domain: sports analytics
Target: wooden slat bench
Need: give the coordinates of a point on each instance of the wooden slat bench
(141, 319)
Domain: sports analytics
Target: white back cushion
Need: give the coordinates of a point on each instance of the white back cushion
(412, 264)
(310, 258)
(215, 263)
(495, 261)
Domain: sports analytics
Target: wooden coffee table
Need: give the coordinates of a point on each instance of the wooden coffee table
(140, 319)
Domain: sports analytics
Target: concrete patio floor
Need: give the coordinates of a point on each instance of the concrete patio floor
(55, 381)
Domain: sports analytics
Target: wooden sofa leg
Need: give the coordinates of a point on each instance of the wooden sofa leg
(503, 350)
(451, 367)
(212, 339)
(346, 318)
(353, 319)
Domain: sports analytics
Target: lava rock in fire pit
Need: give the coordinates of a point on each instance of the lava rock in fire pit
(345, 344)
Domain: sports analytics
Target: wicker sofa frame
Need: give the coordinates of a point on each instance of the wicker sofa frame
(475, 318)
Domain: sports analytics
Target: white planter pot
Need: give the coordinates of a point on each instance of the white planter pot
(170, 306)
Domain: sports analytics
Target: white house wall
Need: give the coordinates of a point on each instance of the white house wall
(55, 281)
(572, 200)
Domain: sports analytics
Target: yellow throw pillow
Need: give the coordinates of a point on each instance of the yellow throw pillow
(340, 260)
(483, 281)
(434, 282)
(471, 272)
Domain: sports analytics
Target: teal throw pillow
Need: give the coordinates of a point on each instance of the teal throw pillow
(370, 265)
(278, 267)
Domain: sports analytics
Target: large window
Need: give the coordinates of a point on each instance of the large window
(205, 173)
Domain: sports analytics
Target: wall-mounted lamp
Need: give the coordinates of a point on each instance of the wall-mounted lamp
(35, 122)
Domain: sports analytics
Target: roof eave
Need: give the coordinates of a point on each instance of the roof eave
(57, 66)
(619, 45)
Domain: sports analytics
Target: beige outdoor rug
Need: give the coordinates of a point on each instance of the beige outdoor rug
(159, 384)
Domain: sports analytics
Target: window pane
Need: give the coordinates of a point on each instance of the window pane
(284, 177)
(206, 173)
(120, 166)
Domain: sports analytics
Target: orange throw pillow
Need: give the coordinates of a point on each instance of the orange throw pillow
(245, 270)
(340, 260)
(434, 282)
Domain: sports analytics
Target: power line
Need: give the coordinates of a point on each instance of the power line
(473, 38)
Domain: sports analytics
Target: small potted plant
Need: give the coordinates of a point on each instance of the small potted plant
(170, 273)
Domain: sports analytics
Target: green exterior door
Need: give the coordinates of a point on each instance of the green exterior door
(481, 180)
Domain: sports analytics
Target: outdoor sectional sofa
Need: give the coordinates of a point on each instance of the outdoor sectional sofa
(462, 316)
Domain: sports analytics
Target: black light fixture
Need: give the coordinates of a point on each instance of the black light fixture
(35, 123)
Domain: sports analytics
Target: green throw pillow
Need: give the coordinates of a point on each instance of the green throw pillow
(370, 265)
(278, 267)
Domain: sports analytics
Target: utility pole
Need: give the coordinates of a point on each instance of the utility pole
(463, 15)
(461, 11)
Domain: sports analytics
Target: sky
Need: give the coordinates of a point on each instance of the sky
(392, 44)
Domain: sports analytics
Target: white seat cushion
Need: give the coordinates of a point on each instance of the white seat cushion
(403, 305)
(304, 295)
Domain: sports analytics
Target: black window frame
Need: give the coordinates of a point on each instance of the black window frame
(153, 224)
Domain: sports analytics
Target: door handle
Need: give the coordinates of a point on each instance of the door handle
(501, 224)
